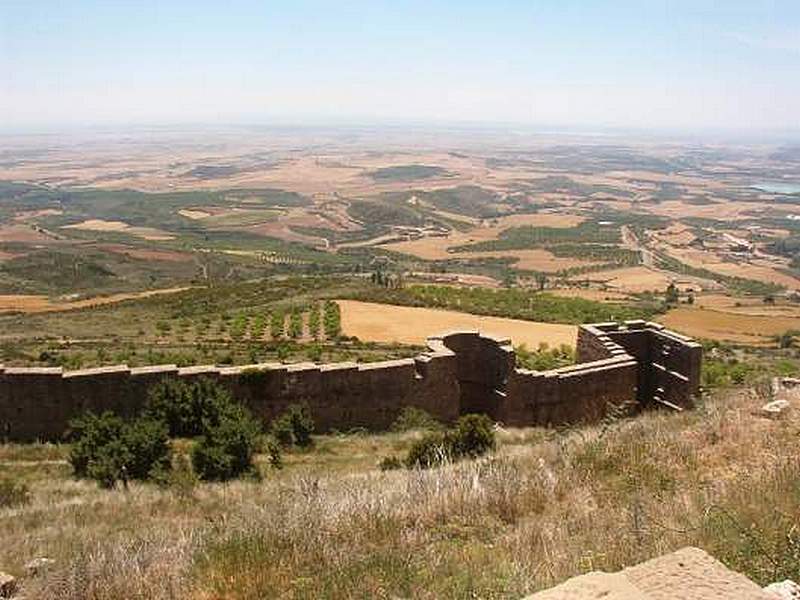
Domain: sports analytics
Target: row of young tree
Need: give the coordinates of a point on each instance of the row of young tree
(321, 320)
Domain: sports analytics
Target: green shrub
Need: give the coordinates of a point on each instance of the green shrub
(295, 325)
(182, 479)
(472, 436)
(107, 449)
(723, 373)
(431, 450)
(13, 493)
(89, 433)
(276, 325)
(314, 323)
(390, 463)
(273, 450)
(544, 358)
(226, 449)
(332, 319)
(148, 448)
(411, 418)
(294, 427)
(107, 466)
(314, 353)
(188, 409)
(281, 430)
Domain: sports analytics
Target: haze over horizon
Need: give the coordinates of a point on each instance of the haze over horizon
(690, 66)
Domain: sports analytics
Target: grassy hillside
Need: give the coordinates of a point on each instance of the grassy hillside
(240, 323)
(546, 506)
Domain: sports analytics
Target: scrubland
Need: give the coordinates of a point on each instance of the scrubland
(547, 505)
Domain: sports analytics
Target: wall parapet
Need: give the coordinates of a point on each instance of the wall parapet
(462, 372)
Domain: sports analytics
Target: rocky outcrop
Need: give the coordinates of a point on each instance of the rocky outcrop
(687, 574)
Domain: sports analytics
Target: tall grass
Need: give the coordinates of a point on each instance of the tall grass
(544, 507)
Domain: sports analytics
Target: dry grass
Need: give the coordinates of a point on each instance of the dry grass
(759, 269)
(547, 506)
(146, 233)
(373, 322)
(756, 329)
(636, 280)
(37, 303)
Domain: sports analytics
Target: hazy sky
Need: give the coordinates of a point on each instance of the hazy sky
(692, 64)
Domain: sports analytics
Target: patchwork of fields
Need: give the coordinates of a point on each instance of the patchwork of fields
(580, 219)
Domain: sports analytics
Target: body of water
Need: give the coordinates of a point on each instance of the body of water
(773, 187)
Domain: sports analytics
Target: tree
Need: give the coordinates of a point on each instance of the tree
(276, 325)
(188, 408)
(672, 296)
(314, 322)
(107, 449)
(226, 449)
(295, 325)
(294, 427)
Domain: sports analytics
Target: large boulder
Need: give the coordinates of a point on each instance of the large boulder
(687, 573)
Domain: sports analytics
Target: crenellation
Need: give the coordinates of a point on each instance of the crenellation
(633, 363)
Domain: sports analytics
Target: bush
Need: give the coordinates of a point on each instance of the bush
(181, 479)
(472, 436)
(294, 427)
(431, 450)
(332, 320)
(273, 449)
(107, 449)
(148, 447)
(90, 433)
(225, 450)
(390, 463)
(411, 418)
(188, 409)
(13, 493)
(295, 325)
(107, 466)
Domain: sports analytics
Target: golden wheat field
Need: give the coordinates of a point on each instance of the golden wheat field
(411, 325)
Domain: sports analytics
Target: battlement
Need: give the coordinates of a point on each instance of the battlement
(618, 363)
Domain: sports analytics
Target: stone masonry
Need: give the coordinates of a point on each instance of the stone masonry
(634, 364)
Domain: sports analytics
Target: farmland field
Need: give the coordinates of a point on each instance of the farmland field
(757, 329)
(570, 216)
(409, 325)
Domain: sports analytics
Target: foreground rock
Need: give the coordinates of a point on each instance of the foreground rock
(8, 585)
(775, 410)
(38, 566)
(689, 573)
(784, 590)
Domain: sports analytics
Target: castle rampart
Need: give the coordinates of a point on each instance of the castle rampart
(462, 372)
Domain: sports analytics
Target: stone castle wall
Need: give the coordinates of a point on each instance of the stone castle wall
(462, 372)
